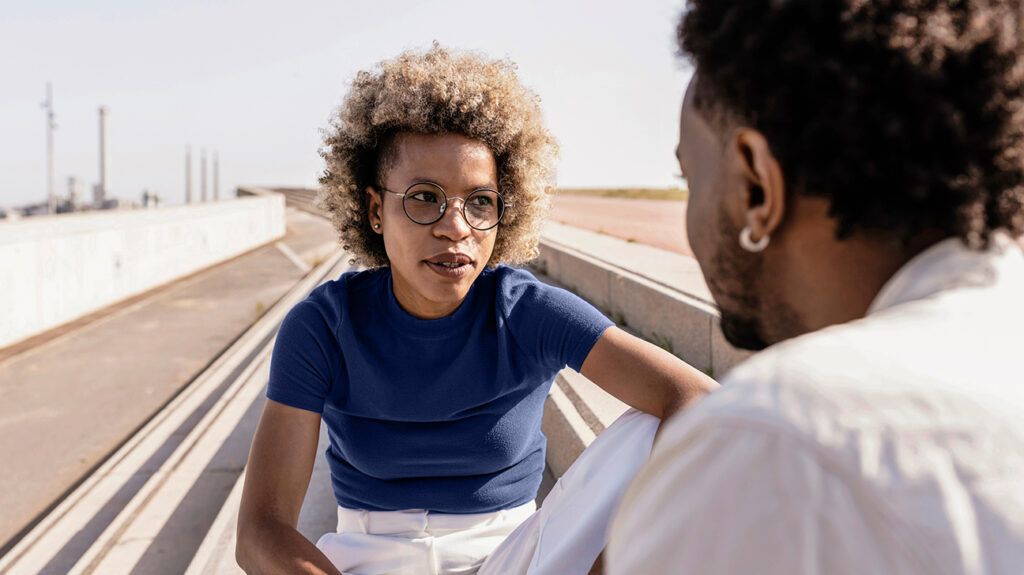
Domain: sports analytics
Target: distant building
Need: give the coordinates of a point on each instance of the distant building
(64, 206)
(75, 192)
(9, 214)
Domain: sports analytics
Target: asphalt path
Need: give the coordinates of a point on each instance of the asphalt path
(74, 397)
(658, 223)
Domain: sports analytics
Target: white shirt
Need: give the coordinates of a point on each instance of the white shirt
(890, 444)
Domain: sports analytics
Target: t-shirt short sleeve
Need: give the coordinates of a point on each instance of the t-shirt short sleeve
(555, 326)
(300, 372)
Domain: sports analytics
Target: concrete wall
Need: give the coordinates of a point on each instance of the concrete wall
(659, 295)
(54, 269)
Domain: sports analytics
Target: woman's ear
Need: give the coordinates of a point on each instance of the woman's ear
(765, 201)
(375, 209)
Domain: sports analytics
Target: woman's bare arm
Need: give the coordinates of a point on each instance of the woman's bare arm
(643, 375)
(276, 479)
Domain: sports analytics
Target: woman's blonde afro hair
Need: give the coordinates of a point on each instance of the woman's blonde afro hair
(438, 91)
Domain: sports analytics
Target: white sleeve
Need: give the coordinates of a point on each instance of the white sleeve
(726, 498)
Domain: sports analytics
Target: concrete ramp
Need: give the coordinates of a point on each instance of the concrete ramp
(167, 501)
(59, 268)
(148, 508)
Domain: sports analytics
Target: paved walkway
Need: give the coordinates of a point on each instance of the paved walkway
(68, 402)
(658, 223)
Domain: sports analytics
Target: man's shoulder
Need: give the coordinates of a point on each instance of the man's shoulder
(856, 394)
(815, 374)
(894, 369)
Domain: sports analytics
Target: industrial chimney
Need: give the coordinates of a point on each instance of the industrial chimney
(100, 191)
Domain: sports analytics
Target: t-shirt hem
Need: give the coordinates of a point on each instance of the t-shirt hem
(297, 402)
(583, 351)
(354, 505)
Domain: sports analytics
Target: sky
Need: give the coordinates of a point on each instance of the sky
(258, 81)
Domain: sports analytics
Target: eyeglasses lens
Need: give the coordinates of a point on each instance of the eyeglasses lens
(425, 204)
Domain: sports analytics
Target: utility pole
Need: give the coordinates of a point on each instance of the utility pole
(202, 174)
(51, 125)
(216, 177)
(101, 190)
(188, 175)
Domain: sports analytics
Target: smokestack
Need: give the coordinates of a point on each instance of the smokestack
(51, 195)
(188, 175)
(74, 193)
(216, 177)
(101, 187)
(202, 174)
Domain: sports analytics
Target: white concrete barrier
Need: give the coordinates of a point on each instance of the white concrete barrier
(54, 269)
(658, 295)
(149, 479)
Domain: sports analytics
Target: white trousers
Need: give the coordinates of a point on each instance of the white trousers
(563, 537)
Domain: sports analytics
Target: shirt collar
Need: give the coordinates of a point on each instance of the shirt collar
(950, 265)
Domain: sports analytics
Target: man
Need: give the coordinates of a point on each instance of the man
(856, 172)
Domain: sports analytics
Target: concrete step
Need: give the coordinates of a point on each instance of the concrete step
(75, 395)
(137, 512)
(129, 517)
(660, 295)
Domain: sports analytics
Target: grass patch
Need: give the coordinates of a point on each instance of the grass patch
(664, 342)
(677, 194)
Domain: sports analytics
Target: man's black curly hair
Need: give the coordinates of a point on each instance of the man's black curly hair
(908, 115)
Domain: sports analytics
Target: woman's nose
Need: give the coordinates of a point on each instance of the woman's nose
(453, 223)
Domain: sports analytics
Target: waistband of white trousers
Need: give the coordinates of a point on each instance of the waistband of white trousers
(420, 521)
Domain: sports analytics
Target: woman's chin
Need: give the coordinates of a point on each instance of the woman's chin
(447, 291)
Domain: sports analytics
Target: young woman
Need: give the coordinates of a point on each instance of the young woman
(430, 368)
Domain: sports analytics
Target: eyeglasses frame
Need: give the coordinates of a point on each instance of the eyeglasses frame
(444, 205)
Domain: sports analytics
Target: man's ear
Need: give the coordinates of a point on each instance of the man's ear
(375, 208)
(765, 203)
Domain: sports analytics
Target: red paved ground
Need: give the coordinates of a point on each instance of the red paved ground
(658, 223)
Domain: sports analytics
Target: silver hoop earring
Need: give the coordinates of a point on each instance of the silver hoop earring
(749, 245)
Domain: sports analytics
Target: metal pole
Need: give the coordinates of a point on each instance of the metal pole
(103, 156)
(202, 174)
(51, 196)
(188, 174)
(216, 177)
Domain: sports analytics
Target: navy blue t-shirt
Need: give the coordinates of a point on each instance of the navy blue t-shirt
(444, 414)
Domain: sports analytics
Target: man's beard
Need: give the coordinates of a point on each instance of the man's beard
(735, 282)
(742, 332)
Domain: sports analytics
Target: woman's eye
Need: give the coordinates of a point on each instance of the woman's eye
(429, 197)
(482, 201)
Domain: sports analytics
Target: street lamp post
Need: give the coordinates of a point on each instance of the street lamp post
(51, 125)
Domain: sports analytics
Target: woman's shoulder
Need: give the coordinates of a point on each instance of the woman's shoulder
(512, 276)
(517, 289)
(330, 301)
(349, 284)
(511, 284)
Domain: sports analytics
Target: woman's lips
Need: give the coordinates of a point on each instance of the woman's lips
(450, 270)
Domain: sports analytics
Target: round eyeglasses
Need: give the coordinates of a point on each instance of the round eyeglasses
(426, 203)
